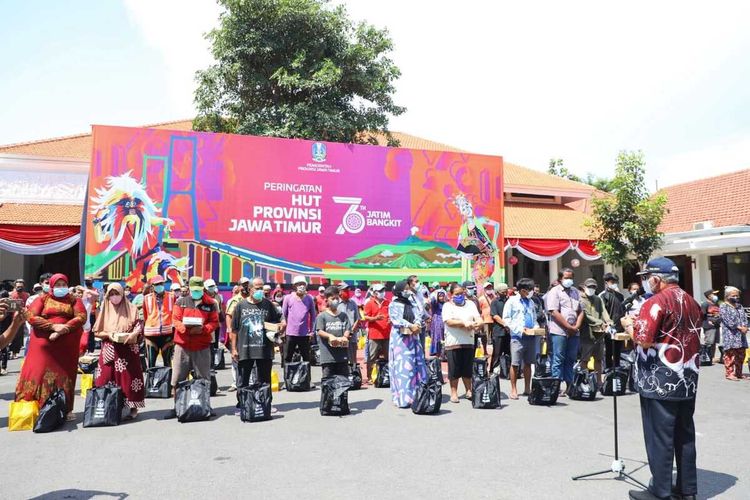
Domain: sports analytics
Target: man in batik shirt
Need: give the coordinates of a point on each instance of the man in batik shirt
(667, 334)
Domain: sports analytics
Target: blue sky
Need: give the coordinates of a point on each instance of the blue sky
(576, 80)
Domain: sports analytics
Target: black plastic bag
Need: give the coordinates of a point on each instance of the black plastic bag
(217, 359)
(355, 377)
(627, 363)
(297, 376)
(544, 391)
(334, 395)
(615, 381)
(159, 382)
(479, 368)
(255, 402)
(705, 356)
(502, 367)
(435, 370)
(52, 414)
(214, 384)
(103, 406)
(315, 355)
(87, 364)
(543, 366)
(384, 378)
(486, 394)
(427, 398)
(584, 385)
(193, 401)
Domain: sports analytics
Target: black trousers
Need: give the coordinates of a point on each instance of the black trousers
(669, 434)
(160, 343)
(245, 368)
(500, 345)
(303, 343)
(331, 369)
(612, 349)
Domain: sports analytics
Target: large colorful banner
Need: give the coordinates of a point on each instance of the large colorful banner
(226, 206)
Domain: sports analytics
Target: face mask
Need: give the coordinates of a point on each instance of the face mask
(714, 299)
(358, 293)
(646, 286)
(590, 291)
(115, 299)
(733, 300)
(196, 294)
(212, 289)
(633, 291)
(614, 287)
(567, 283)
(459, 300)
(407, 293)
(45, 288)
(60, 292)
(380, 295)
(301, 289)
(19, 289)
(88, 283)
(258, 295)
(159, 288)
(334, 303)
(469, 292)
(531, 294)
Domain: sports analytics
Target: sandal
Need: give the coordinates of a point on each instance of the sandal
(71, 417)
(454, 400)
(514, 396)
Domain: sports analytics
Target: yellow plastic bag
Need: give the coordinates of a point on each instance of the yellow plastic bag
(479, 352)
(427, 344)
(361, 342)
(274, 381)
(87, 382)
(590, 364)
(375, 372)
(22, 415)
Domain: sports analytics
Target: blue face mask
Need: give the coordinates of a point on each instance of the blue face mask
(60, 291)
(459, 299)
(567, 283)
(159, 288)
(258, 295)
(45, 288)
(196, 294)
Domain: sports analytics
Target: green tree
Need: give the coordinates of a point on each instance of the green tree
(626, 223)
(299, 69)
(601, 183)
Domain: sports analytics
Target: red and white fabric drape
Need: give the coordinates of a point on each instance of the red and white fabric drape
(38, 240)
(546, 250)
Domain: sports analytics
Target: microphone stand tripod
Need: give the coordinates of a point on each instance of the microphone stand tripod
(617, 467)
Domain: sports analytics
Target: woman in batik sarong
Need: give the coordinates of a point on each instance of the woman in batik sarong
(120, 361)
(406, 363)
(437, 327)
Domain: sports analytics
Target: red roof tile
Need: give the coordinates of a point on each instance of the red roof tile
(724, 200)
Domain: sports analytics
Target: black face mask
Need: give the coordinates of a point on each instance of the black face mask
(733, 300)
(19, 289)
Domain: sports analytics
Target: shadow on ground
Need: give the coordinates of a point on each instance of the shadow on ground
(79, 495)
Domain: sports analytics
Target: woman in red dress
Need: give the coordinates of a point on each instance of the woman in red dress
(120, 362)
(57, 319)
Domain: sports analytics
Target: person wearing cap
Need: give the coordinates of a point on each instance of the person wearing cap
(378, 328)
(320, 300)
(734, 340)
(192, 350)
(613, 300)
(239, 293)
(349, 307)
(18, 293)
(711, 321)
(595, 326)
(158, 329)
(298, 311)
(564, 305)
(213, 291)
(500, 336)
(667, 338)
(519, 314)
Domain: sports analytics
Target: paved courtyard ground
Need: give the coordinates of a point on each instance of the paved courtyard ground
(379, 451)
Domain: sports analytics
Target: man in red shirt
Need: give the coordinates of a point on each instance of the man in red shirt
(195, 317)
(378, 328)
(667, 334)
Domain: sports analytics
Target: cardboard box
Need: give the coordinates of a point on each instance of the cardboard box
(538, 332)
(120, 338)
(192, 321)
(272, 327)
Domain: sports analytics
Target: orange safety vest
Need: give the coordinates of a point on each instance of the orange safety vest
(157, 321)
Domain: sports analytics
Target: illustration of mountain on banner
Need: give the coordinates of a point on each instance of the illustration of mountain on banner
(412, 253)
